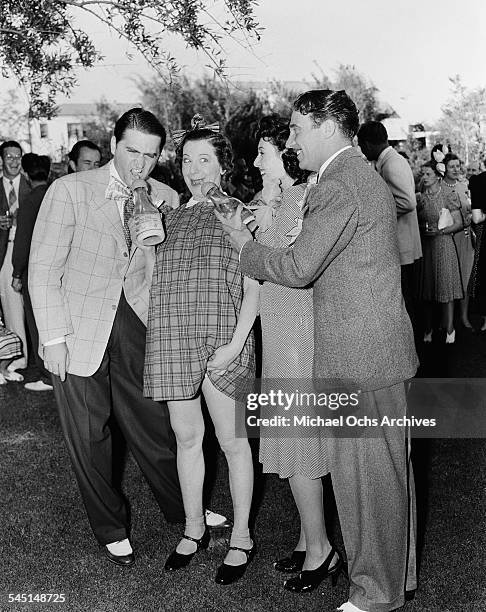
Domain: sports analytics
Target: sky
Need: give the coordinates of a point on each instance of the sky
(408, 49)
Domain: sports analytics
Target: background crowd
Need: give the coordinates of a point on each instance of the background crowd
(443, 266)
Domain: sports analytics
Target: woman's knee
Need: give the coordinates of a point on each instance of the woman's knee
(234, 447)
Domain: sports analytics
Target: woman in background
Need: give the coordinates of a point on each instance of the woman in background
(454, 187)
(441, 274)
(288, 349)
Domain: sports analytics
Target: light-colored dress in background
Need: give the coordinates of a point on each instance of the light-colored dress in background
(288, 346)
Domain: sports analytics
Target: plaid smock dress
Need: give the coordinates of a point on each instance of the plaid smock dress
(195, 300)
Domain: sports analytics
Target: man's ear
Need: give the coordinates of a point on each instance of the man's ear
(112, 145)
(328, 128)
(72, 165)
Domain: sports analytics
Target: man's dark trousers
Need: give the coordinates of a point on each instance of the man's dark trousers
(85, 405)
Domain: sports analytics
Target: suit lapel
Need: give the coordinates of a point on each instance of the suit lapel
(107, 208)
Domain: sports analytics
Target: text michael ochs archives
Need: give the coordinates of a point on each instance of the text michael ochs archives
(305, 405)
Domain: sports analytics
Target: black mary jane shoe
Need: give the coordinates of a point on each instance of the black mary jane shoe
(177, 560)
(228, 574)
(308, 580)
(291, 564)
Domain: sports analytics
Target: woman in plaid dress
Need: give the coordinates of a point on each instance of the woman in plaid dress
(199, 341)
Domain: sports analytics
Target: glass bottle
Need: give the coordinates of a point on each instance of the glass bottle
(226, 204)
(145, 224)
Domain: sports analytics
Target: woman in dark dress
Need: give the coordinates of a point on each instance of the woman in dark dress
(199, 342)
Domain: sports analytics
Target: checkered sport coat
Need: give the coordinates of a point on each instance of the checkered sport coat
(79, 264)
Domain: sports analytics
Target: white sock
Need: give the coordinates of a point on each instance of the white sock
(120, 548)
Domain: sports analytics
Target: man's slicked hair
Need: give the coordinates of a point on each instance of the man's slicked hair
(324, 104)
(142, 121)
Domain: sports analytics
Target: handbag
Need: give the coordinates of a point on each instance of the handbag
(445, 219)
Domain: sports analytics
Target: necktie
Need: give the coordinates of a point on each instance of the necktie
(12, 196)
(119, 192)
(128, 206)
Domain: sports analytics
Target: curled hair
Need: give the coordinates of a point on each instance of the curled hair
(324, 104)
(142, 121)
(450, 157)
(219, 142)
(432, 164)
(275, 130)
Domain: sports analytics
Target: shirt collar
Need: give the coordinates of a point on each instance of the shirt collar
(328, 161)
(114, 174)
(15, 181)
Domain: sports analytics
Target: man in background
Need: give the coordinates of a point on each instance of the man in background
(85, 155)
(14, 187)
(37, 168)
(397, 174)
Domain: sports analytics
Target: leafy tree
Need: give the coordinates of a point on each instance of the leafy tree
(100, 130)
(360, 89)
(463, 121)
(14, 122)
(41, 44)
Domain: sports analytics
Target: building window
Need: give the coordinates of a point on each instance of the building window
(75, 131)
(44, 133)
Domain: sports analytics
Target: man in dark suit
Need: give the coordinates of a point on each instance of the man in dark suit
(13, 189)
(37, 168)
(363, 337)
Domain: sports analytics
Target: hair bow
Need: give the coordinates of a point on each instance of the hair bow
(197, 123)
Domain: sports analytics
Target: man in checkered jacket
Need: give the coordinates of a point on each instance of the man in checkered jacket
(89, 288)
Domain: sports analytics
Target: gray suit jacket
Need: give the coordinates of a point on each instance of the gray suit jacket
(398, 175)
(79, 264)
(24, 190)
(348, 250)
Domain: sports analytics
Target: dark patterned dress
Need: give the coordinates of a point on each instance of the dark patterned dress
(441, 273)
(195, 300)
(288, 347)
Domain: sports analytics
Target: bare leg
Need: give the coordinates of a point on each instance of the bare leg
(448, 316)
(308, 497)
(240, 465)
(187, 422)
(4, 363)
(428, 312)
(464, 305)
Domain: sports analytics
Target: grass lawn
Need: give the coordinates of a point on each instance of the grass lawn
(47, 545)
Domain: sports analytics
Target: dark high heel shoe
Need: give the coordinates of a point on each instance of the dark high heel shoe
(308, 580)
(291, 564)
(227, 574)
(177, 560)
